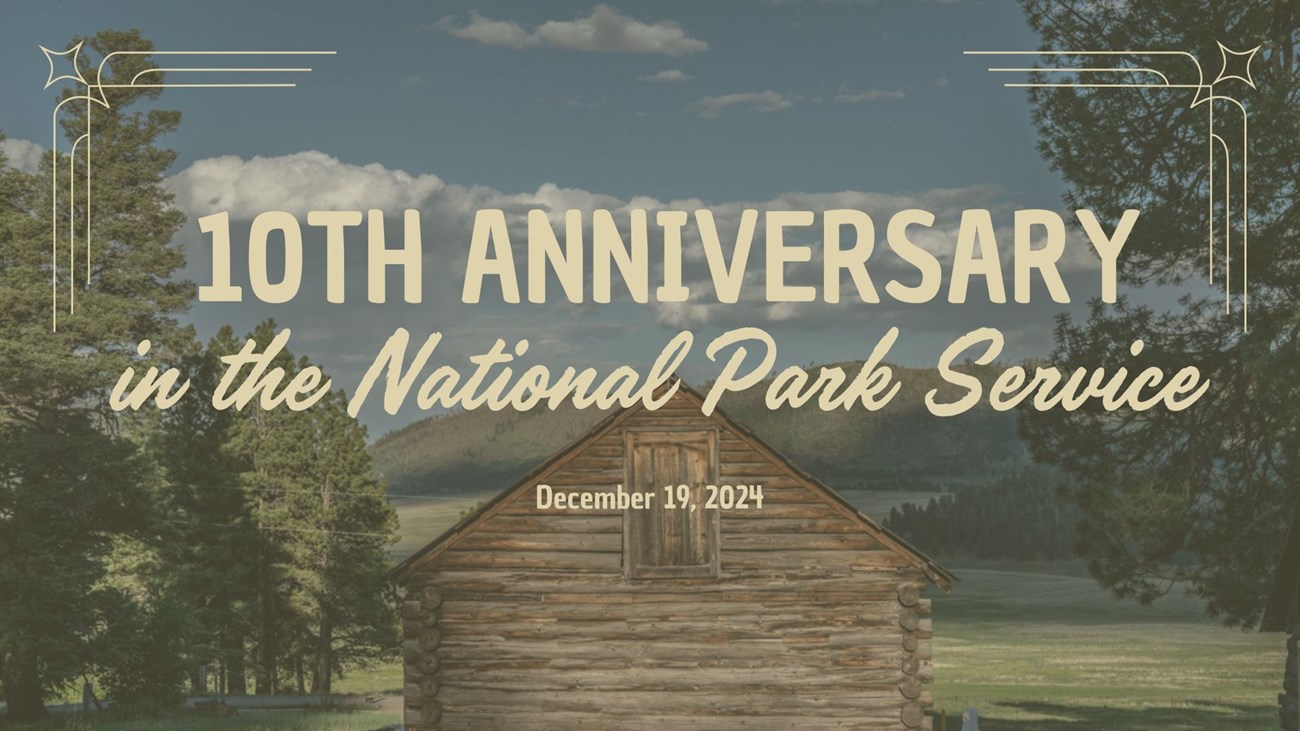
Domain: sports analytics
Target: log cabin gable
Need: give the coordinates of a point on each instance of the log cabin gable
(698, 556)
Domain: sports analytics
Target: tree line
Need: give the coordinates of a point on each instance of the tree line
(1021, 516)
(137, 547)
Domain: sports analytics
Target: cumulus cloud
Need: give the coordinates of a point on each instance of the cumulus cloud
(670, 76)
(849, 95)
(21, 154)
(604, 30)
(489, 32)
(297, 183)
(710, 107)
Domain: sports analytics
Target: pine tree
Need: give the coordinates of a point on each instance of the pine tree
(1198, 499)
(209, 514)
(351, 611)
(322, 526)
(70, 483)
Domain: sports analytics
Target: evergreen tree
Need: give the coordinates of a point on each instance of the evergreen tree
(1021, 516)
(322, 528)
(210, 523)
(70, 483)
(345, 560)
(1199, 498)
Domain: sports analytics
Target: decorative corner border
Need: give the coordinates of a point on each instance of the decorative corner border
(93, 94)
(1205, 94)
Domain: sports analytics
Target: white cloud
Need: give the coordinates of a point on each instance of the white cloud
(297, 183)
(849, 95)
(488, 32)
(710, 107)
(605, 30)
(23, 155)
(670, 76)
(411, 82)
(941, 82)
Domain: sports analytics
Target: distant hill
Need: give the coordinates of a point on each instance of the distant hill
(900, 447)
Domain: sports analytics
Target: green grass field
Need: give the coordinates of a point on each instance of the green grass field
(423, 519)
(246, 721)
(1051, 651)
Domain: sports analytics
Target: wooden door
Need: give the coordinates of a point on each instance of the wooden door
(671, 538)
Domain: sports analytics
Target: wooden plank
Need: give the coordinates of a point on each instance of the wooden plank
(827, 682)
(456, 696)
(770, 583)
(548, 560)
(492, 541)
(855, 559)
(496, 720)
(798, 542)
(813, 511)
(554, 523)
(790, 526)
(774, 619)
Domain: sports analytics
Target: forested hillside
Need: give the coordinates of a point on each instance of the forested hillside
(900, 447)
(1020, 516)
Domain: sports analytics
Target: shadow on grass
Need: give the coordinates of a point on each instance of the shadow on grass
(1194, 716)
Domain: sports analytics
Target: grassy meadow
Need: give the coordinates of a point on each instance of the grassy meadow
(245, 721)
(1050, 651)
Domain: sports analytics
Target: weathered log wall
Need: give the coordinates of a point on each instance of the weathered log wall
(527, 622)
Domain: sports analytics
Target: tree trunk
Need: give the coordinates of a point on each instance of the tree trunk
(23, 692)
(325, 652)
(1287, 700)
(233, 664)
(266, 652)
(266, 656)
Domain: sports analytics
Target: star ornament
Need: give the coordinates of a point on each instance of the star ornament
(69, 57)
(1236, 65)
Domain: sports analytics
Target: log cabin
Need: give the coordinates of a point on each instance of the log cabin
(1282, 614)
(803, 613)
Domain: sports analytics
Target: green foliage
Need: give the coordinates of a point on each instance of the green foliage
(1201, 497)
(319, 528)
(70, 482)
(138, 546)
(142, 658)
(208, 529)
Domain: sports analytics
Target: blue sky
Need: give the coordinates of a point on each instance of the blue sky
(449, 106)
(404, 94)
